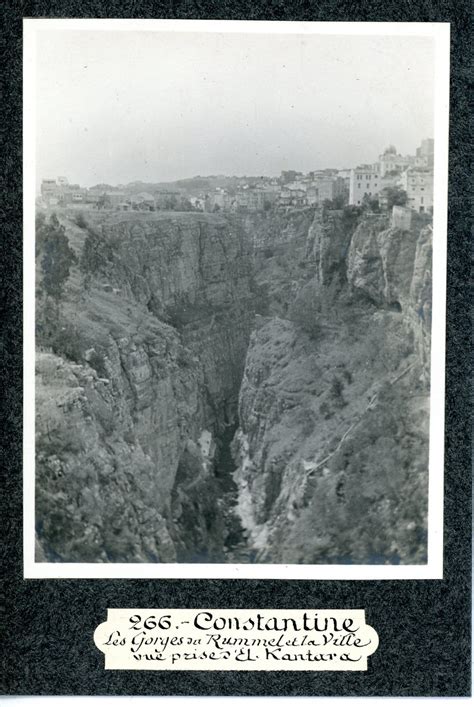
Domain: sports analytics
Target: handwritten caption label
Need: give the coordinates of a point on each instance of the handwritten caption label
(240, 639)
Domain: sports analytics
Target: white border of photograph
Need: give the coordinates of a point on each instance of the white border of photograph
(440, 32)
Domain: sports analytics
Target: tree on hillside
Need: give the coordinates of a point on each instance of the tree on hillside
(335, 204)
(171, 203)
(55, 254)
(184, 205)
(370, 203)
(92, 256)
(396, 196)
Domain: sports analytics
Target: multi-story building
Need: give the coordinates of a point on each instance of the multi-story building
(76, 195)
(289, 175)
(293, 194)
(50, 191)
(365, 180)
(114, 198)
(92, 196)
(345, 175)
(418, 184)
(250, 200)
(270, 194)
(331, 188)
(218, 199)
(425, 154)
(391, 161)
(323, 189)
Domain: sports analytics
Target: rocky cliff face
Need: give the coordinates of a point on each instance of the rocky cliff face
(195, 273)
(333, 442)
(155, 354)
(393, 268)
(281, 263)
(137, 374)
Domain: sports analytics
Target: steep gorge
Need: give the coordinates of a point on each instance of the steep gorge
(135, 383)
(308, 333)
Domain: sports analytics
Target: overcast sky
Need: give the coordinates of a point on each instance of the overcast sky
(116, 107)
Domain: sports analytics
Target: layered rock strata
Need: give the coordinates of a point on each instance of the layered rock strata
(334, 403)
(144, 362)
(310, 330)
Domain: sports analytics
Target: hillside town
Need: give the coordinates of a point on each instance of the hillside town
(409, 177)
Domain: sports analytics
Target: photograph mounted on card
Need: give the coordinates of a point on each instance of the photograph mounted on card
(190, 639)
(235, 267)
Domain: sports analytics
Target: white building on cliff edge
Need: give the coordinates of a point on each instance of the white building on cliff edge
(365, 180)
(418, 184)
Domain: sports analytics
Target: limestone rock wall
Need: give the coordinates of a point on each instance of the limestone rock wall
(195, 272)
(334, 405)
(311, 329)
(280, 255)
(141, 359)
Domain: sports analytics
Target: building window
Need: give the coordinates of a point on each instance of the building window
(368, 185)
(421, 200)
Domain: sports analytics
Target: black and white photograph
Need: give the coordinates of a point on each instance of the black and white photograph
(234, 299)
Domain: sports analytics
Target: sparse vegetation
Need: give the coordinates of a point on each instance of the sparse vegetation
(395, 197)
(296, 383)
(335, 204)
(370, 203)
(80, 221)
(337, 388)
(95, 253)
(347, 375)
(55, 256)
(326, 411)
(97, 361)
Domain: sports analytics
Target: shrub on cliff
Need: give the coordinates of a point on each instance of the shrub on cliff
(350, 217)
(95, 252)
(335, 204)
(55, 256)
(316, 308)
(395, 197)
(55, 332)
(370, 204)
(80, 221)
